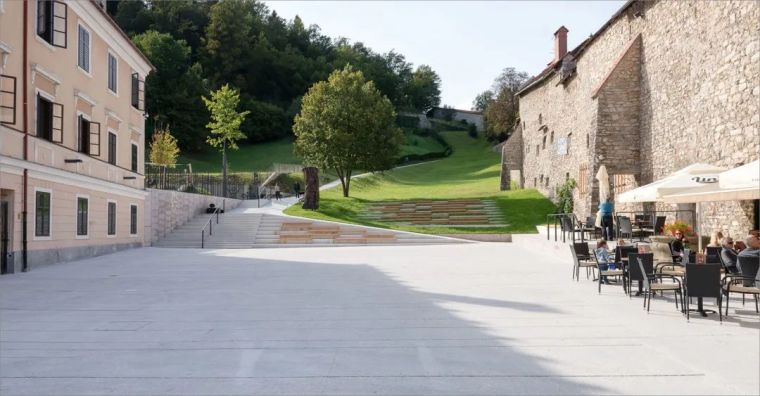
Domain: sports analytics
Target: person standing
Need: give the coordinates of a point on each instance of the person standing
(277, 191)
(297, 189)
(606, 209)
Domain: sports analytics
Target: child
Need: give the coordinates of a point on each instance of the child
(603, 257)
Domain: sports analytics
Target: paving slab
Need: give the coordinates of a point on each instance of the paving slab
(480, 318)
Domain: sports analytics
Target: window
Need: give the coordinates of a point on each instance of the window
(111, 218)
(42, 214)
(138, 92)
(83, 49)
(569, 140)
(552, 138)
(7, 99)
(583, 179)
(49, 120)
(51, 22)
(537, 149)
(112, 72)
(134, 157)
(84, 135)
(540, 119)
(133, 219)
(82, 215)
(543, 145)
(111, 148)
(588, 141)
(535, 182)
(547, 181)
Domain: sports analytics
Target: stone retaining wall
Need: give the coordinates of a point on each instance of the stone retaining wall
(166, 210)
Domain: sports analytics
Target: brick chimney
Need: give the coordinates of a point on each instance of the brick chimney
(560, 43)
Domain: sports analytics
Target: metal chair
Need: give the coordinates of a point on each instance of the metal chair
(650, 287)
(581, 259)
(634, 271)
(712, 254)
(590, 227)
(703, 280)
(607, 273)
(742, 284)
(568, 223)
(624, 227)
(659, 222)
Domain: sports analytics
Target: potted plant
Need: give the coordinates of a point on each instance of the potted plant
(686, 230)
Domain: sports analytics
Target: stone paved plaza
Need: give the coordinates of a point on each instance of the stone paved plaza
(423, 320)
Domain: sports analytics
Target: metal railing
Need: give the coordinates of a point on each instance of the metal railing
(210, 225)
(552, 220)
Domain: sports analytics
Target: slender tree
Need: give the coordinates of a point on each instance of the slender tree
(163, 148)
(346, 124)
(225, 123)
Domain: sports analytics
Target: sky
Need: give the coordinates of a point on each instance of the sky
(467, 43)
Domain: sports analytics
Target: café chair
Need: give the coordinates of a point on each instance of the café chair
(651, 286)
(702, 280)
(582, 259)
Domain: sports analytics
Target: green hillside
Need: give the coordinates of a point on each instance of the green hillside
(472, 171)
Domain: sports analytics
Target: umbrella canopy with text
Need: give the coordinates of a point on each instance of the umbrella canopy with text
(741, 183)
(693, 178)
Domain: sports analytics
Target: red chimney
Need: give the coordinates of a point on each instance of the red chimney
(560, 43)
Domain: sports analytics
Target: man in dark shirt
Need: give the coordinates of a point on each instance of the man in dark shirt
(728, 255)
(749, 259)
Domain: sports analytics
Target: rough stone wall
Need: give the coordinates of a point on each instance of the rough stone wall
(698, 93)
(512, 159)
(166, 210)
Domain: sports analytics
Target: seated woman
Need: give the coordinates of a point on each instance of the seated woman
(603, 257)
(715, 239)
(676, 246)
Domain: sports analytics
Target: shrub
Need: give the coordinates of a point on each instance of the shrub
(472, 130)
(565, 196)
(266, 122)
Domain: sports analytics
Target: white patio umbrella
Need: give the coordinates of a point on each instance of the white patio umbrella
(604, 191)
(741, 183)
(693, 178)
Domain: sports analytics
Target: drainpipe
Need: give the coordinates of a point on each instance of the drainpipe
(25, 127)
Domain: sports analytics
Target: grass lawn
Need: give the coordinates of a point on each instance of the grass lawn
(251, 157)
(260, 157)
(472, 171)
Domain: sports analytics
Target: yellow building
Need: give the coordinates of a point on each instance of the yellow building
(71, 133)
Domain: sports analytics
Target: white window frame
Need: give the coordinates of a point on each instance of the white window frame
(34, 216)
(137, 221)
(88, 73)
(133, 142)
(45, 95)
(116, 73)
(76, 120)
(76, 215)
(47, 45)
(115, 218)
(109, 131)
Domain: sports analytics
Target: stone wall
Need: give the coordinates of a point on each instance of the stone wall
(512, 158)
(166, 210)
(698, 94)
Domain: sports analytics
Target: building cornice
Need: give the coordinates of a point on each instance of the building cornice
(38, 171)
(87, 98)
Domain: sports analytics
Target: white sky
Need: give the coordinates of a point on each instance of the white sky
(466, 42)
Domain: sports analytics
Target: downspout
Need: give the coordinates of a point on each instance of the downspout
(25, 127)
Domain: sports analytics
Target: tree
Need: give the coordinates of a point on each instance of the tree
(174, 90)
(482, 101)
(424, 89)
(227, 42)
(225, 123)
(501, 113)
(346, 124)
(163, 148)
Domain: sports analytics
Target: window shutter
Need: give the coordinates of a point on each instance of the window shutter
(95, 139)
(136, 90)
(7, 99)
(60, 17)
(57, 124)
(83, 49)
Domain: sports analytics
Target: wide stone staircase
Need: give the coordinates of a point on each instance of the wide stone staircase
(249, 227)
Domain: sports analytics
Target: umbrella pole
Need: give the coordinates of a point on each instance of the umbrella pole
(698, 227)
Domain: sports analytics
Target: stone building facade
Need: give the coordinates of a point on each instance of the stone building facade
(660, 86)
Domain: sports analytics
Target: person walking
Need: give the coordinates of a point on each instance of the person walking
(297, 189)
(277, 194)
(606, 209)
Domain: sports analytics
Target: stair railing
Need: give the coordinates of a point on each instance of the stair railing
(210, 225)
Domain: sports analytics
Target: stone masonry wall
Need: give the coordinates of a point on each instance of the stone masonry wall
(512, 158)
(698, 94)
(166, 210)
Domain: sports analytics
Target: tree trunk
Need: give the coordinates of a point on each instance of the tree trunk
(224, 169)
(311, 193)
(347, 185)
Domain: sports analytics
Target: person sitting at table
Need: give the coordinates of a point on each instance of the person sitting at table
(677, 246)
(728, 254)
(603, 257)
(715, 239)
(753, 253)
(739, 246)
